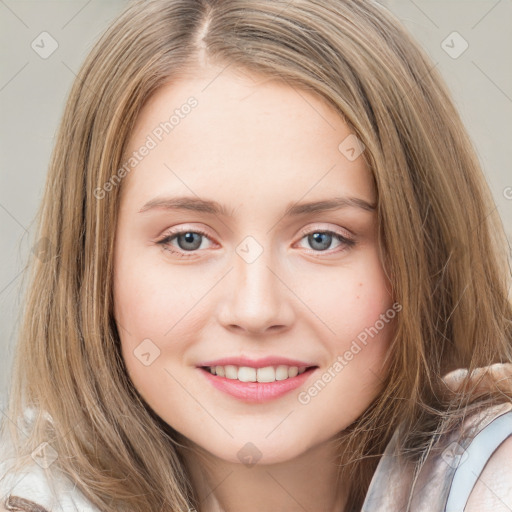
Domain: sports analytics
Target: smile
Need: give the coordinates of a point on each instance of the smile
(256, 384)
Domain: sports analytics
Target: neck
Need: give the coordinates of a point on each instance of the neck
(307, 482)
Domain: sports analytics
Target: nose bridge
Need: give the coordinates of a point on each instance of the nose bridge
(258, 300)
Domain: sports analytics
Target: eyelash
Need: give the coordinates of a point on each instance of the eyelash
(165, 242)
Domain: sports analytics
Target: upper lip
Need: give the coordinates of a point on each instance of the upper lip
(256, 363)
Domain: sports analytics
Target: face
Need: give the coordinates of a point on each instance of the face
(253, 273)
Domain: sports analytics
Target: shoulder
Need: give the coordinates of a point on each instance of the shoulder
(485, 473)
(493, 488)
(482, 481)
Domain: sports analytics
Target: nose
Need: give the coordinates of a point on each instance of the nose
(258, 299)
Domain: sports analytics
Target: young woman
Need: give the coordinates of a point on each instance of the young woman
(274, 277)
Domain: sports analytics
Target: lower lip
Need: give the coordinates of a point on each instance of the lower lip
(256, 392)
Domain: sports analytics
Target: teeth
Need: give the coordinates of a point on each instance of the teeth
(231, 372)
(293, 371)
(248, 374)
(267, 374)
(282, 373)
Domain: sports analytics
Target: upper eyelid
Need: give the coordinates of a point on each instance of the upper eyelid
(315, 228)
(302, 234)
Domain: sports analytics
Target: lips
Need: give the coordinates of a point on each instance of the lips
(256, 392)
(244, 388)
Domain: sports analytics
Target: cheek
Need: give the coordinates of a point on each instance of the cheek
(154, 320)
(357, 306)
(154, 300)
(158, 310)
(362, 316)
(347, 301)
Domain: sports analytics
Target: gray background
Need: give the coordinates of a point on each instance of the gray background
(33, 92)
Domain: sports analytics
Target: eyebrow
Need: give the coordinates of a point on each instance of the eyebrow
(295, 209)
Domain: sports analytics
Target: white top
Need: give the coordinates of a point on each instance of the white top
(444, 484)
(41, 481)
(54, 494)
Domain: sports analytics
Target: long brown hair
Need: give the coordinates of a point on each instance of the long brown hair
(441, 238)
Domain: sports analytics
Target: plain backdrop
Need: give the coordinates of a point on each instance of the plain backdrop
(470, 42)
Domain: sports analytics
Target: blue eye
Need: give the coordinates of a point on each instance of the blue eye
(189, 242)
(321, 240)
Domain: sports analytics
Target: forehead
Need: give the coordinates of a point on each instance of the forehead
(244, 133)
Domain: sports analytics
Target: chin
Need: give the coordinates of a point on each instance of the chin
(256, 449)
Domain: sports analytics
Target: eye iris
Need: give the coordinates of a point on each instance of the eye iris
(324, 239)
(191, 241)
(188, 237)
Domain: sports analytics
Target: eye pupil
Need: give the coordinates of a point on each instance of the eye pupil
(188, 237)
(324, 239)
